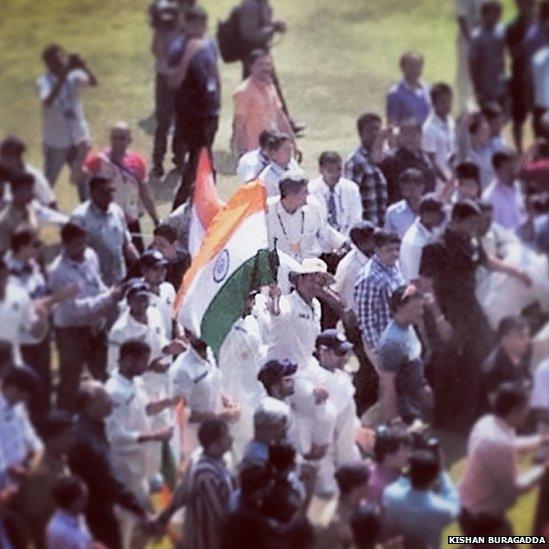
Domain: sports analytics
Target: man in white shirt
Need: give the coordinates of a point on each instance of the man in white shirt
(347, 271)
(280, 151)
(129, 428)
(241, 356)
(19, 444)
(296, 226)
(491, 482)
(65, 132)
(326, 370)
(196, 379)
(12, 150)
(439, 130)
(402, 214)
(295, 318)
(339, 198)
(422, 232)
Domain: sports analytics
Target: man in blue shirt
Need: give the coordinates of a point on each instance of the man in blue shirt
(421, 506)
(410, 97)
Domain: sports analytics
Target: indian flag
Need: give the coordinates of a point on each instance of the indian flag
(205, 203)
(233, 260)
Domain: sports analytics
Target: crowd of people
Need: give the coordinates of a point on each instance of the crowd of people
(411, 296)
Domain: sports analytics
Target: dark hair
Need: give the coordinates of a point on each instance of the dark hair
(464, 209)
(133, 348)
(501, 157)
(23, 236)
(256, 54)
(365, 119)
(49, 51)
(97, 180)
(253, 478)
(492, 110)
(388, 441)
(468, 170)
(277, 140)
(211, 431)
(166, 231)
(402, 296)
(439, 89)
(67, 490)
(507, 397)
(23, 379)
(363, 230)
(329, 157)
(366, 526)
(410, 55)
(411, 175)
(510, 323)
(475, 122)
(383, 237)
(71, 231)
(196, 13)
(424, 469)
(281, 456)
(290, 186)
(12, 145)
(57, 422)
(265, 138)
(350, 475)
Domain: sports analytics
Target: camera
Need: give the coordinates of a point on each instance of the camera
(163, 14)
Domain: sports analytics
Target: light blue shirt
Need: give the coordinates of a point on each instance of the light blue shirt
(399, 218)
(67, 532)
(420, 514)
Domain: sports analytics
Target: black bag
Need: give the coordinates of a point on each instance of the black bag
(229, 39)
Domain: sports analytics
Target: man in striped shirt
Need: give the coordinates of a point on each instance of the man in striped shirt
(376, 282)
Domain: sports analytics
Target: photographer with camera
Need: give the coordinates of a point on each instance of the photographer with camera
(167, 22)
(420, 505)
(65, 132)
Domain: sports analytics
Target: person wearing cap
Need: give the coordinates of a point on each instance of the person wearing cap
(280, 151)
(107, 229)
(448, 269)
(295, 317)
(80, 321)
(401, 215)
(35, 499)
(12, 149)
(378, 279)
(400, 364)
(240, 359)
(128, 172)
(351, 479)
(296, 225)
(361, 236)
(162, 294)
(326, 370)
(311, 421)
(422, 231)
(195, 377)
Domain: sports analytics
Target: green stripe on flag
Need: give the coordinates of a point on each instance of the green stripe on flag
(228, 304)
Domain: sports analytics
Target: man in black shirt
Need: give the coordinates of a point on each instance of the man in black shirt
(89, 459)
(408, 155)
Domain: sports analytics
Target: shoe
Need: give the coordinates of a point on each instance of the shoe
(157, 172)
(298, 127)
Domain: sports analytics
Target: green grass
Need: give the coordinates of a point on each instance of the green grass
(336, 61)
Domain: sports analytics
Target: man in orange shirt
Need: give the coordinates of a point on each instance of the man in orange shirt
(257, 105)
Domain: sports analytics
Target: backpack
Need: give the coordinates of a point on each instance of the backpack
(229, 40)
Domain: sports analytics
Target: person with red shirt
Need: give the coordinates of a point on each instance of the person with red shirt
(127, 170)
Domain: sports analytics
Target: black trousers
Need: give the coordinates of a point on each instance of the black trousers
(164, 114)
(191, 136)
(135, 230)
(484, 524)
(103, 525)
(78, 347)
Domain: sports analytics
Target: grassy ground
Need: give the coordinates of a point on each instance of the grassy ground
(336, 61)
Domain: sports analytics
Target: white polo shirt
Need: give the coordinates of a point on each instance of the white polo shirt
(294, 331)
(347, 201)
(163, 303)
(347, 274)
(439, 138)
(411, 248)
(301, 234)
